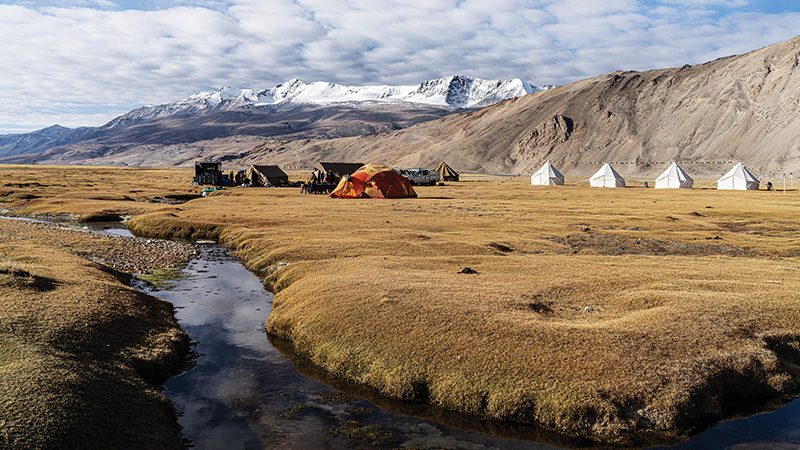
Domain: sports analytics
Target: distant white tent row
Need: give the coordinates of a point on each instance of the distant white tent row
(674, 177)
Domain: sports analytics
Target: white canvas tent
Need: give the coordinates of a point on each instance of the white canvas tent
(547, 175)
(738, 178)
(674, 178)
(606, 177)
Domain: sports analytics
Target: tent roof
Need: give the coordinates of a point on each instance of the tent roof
(607, 171)
(270, 171)
(674, 171)
(446, 170)
(741, 172)
(339, 168)
(549, 171)
(374, 168)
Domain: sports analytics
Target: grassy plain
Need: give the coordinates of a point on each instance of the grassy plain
(593, 311)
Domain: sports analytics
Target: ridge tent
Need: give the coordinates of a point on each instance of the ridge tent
(674, 178)
(374, 181)
(606, 177)
(738, 178)
(258, 175)
(447, 172)
(547, 175)
(339, 169)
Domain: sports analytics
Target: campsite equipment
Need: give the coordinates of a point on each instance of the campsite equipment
(374, 181)
(259, 175)
(606, 177)
(208, 172)
(420, 176)
(738, 178)
(547, 175)
(447, 172)
(674, 178)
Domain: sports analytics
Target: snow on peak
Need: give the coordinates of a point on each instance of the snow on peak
(453, 91)
(456, 91)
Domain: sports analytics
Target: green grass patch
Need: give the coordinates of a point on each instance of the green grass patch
(165, 278)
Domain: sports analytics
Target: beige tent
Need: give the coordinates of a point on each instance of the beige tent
(447, 172)
(258, 175)
(339, 169)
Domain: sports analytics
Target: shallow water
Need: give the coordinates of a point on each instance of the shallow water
(243, 393)
(109, 228)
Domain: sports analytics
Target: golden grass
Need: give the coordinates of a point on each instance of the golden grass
(92, 194)
(594, 311)
(79, 355)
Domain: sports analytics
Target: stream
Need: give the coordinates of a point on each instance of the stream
(246, 390)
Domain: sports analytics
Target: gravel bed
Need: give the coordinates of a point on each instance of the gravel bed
(126, 254)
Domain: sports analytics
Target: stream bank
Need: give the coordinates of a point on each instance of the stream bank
(250, 390)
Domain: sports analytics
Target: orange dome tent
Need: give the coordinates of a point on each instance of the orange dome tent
(374, 181)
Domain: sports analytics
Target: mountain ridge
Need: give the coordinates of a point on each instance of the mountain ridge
(290, 110)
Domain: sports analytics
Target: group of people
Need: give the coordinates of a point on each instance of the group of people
(319, 182)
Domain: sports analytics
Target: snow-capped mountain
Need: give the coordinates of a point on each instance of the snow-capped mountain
(243, 118)
(454, 91)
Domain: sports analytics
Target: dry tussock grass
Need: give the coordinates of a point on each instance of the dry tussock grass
(77, 351)
(594, 311)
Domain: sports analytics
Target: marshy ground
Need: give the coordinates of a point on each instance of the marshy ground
(590, 311)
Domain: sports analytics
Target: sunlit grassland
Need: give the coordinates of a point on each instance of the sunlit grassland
(593, 311)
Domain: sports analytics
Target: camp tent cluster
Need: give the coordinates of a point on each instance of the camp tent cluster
(674, 177)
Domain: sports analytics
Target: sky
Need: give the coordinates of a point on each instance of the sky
(84, 62)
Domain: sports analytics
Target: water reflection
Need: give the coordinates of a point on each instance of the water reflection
(244, 393)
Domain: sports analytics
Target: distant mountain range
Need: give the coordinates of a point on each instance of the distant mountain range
(40, 140)
(230, 118)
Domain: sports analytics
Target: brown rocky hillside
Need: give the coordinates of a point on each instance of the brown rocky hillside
(736, 108)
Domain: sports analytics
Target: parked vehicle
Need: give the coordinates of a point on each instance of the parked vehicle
(420, 176)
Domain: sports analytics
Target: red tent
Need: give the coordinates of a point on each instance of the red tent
(374, 181)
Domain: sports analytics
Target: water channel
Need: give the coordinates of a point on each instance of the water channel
(247, 391)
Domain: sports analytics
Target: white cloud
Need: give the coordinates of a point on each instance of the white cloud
(99, 52)
(707, 3)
